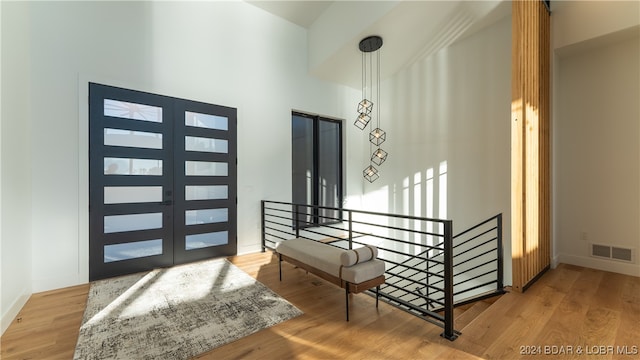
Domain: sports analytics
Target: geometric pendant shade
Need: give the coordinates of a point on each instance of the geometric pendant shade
(366, 113)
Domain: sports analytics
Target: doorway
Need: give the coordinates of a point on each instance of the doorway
(162, 181)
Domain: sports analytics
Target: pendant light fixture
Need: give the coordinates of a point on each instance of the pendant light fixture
(368, 46)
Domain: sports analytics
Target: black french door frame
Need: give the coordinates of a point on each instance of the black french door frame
(171, 178)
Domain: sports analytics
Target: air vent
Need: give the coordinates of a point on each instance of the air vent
(600, 251)
(612, 252)
(621, 254)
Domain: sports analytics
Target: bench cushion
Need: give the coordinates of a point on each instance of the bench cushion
(327, 258)
(316, 254)
(363, 271)
(352, 257)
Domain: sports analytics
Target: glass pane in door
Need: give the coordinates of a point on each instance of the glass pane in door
(132, 222)
(132, 194)
(206, 168)
(129, 166)
(199, 241)
(131, 110)
(206, 121)
(206, 192)
(132, 250)
(195, 143)
(206, 216)
(130, 138)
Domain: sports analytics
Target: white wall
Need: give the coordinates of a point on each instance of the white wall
(227, 53)
(583, 21)
(15, 226)
(595, 130)
(597, 154)
(448, 135)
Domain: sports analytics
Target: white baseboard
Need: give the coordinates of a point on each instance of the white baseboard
(252, 249)
(605, 265)
(12, 312)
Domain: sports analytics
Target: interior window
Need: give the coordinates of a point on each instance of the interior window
(316, 167)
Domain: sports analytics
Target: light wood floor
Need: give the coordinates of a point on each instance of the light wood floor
(568, 306)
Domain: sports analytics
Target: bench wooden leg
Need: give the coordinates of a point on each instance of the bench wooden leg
(280, 266)
(346, 291)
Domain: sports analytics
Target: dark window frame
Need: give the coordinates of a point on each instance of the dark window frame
(315, 198)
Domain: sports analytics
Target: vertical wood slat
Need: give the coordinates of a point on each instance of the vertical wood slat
(517, 196)
(530, 175)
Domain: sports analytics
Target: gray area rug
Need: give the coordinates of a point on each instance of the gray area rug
(176, 313)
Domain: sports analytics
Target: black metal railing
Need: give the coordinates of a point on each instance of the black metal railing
(428, 270)
(477, 262)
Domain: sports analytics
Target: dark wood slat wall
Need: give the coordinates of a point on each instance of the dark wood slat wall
(530, 146)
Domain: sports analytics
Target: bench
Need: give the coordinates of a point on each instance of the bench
(354, 270)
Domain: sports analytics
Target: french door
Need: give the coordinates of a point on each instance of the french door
(162, 181)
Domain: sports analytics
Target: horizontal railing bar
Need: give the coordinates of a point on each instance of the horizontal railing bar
(475, 257)
(288, 226)
(411, 231)
(475, 277)
(417, 284)
(289, 211)
(417, 271)
(405, 254)
(404, 242)
(413, 271)
(271, 225)
(471, 260)
(429, 247)
(319, 233)
(393, 262)
(479, 297)
(397, 288)
(477, 226)
(475, 287)
(477, 246)
(410, 256)
(276, 236)
(478, 266)
(422, 284)
(409, 217)
(421, 297)
(468, 279)
(277, 217)
(324, 217)
(279, 230)
(407, 291)
(416, 308)
(417, 256)
(476, 237)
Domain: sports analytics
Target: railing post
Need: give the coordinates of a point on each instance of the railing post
(350, 230)
(500, 285)
(296, 220)
(427, 289)
(262, 220)
(449, 332)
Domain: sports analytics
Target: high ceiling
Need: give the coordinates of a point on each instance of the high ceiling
(301, 12)
(411, 30)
